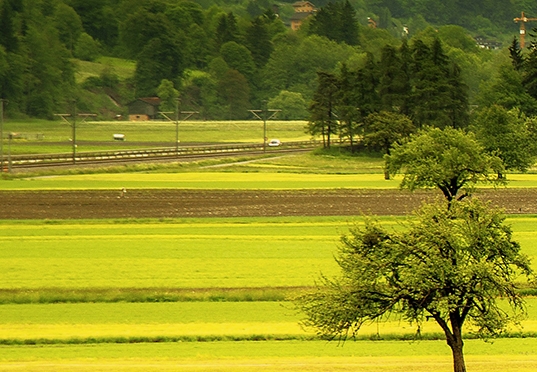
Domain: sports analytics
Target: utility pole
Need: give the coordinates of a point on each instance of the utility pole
(265, 116)
(73, 126)
(177, 117)
(9, 165)
(2, 134)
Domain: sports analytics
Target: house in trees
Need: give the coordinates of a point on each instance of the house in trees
(303, 9)
(144, 109)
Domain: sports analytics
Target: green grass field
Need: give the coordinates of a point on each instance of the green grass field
(207, 294)
(122, 67)
(198, 253)
(42, 136)
(183, 253)
(512, 355)
(221, 180)
(229, 253)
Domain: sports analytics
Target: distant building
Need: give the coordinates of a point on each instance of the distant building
(303, 9)
(143, 109)
(487, 44)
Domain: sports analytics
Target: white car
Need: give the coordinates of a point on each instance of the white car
(274, 143)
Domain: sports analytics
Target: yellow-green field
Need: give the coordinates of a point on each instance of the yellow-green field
(207, 335)
(505, 355)
(208, 294)
(222, 180)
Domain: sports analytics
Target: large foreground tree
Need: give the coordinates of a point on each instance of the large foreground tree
(452, 265)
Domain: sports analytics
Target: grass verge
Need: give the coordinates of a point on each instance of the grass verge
(111, 295)
(243, 338)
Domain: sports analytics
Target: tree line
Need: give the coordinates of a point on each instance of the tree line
(220, 58)
(418, 85)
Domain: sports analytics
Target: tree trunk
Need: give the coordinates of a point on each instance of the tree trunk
(456, 344)
(458, 359)
(328, 137)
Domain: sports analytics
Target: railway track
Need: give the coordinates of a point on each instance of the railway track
(186, 153)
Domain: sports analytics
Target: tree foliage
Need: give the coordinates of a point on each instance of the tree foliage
(234, 94)
(166, 38)
(323, 119)
(292, 104)
(336, 21)
(439, 95)
(447, 159)
(168, 97)
(505, 134)
(385, 128)
(394, 80)
(451, 265)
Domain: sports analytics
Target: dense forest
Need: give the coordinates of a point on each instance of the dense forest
(224, 57)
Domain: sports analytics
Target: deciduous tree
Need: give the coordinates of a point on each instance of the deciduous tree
(451, 265)
(447, 159)
(168, 96)
(506, 89)
(238, 57)
(386, 128)
(292, 104)
(504, 133)
(234, 93)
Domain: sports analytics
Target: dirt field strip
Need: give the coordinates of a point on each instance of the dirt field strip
(175, 203)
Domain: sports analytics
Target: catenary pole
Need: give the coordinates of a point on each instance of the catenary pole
(264, 116)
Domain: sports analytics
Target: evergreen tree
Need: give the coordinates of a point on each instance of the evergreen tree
(440, 97)
(323, 119)
(336, 21)
(348, 112)
(457, 107)
(8, 33)
(515, 52)
(368, 100)
(348, 24)
(258, 41)
(430, 87)
(529, 79)
(227, 30)
(394, 83)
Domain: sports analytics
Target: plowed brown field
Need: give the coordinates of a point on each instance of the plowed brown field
(217, 203)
